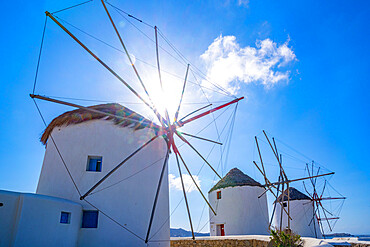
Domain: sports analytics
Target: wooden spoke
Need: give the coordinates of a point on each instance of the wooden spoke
(159, 70)
(160, 118)
(192, 147)
(186, 200)
(182, 123)
(102, 63)
(92, 110)
(191, 113)
(198, 137)
(182, 94)
(156, 195)
(200, 191)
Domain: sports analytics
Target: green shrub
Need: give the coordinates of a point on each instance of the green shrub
(285, 239)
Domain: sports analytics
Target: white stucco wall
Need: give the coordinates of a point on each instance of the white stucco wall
(34, 220)
(130, 201)
(301, 212)
(240, 210)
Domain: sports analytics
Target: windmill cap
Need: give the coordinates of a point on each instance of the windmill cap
(233, 178)
(131, 118)
(294, 194)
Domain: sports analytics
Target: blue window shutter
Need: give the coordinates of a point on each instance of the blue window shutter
(65, 217)
(94, 164)
(90, 219)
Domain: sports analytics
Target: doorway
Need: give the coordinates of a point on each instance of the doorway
(220, 230)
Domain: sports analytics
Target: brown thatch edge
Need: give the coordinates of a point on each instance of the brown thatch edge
(81, 115)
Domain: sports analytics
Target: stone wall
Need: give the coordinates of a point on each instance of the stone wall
(224, 242)
(256, 241)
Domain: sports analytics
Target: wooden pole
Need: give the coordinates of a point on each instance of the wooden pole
(269, 188)
(200, 191)
(34, 96)
(182, 123)
(299, 179)
(133, 66)
(159, 70)
(288, 206)
(276, 155)
(156, 195)
(195, 111)
(182, 94)
(186, 200)
(187, 142)
(259, 153)
(198, 137)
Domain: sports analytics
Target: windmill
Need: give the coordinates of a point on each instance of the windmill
(282, 186)
(319, 199)
(168, 128)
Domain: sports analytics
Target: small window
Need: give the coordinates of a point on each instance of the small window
(90, 219)
(94, 163)
(65, 217)
(285, 204)
(218, 195)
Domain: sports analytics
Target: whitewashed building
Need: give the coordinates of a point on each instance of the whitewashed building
(239, 210)
(301, 211)
(117, 212)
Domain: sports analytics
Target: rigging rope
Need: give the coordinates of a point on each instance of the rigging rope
(109, 217)
(39, 58)
(71, 7)
(185, 61)
(138, 59)
(56, 147)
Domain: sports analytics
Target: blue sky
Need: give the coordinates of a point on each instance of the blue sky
(319, 107)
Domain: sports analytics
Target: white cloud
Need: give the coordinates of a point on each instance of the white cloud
(175, 182)
(228, 64)
(243, 3)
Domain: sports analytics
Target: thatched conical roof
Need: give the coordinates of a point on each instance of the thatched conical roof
(294, 194)
(82, 115)
(233, 178)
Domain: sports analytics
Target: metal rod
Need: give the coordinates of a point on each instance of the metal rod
(186, 200)
(187, 142)
(132, 65)
(115, 168)
(182, 94)
(195, 111)
(200, 191)
(156, 195)
(100, 61)
(181, 123)
(201, 138)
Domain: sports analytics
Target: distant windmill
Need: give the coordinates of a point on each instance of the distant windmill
(320, 213)
(282, 186)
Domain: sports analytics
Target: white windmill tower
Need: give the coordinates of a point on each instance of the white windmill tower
(82, 149)
(302, 212)
(240, 210)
